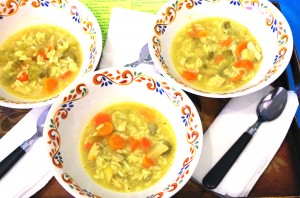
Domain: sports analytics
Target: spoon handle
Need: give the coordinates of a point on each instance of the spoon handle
(217, 173)
(7, 163)
(133, 64)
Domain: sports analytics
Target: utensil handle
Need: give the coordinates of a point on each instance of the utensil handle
(133, 64)
(217, 173)
(7, 163)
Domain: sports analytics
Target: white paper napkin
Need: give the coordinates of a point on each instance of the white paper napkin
(129, 31)
(236, 117)
(32, 171)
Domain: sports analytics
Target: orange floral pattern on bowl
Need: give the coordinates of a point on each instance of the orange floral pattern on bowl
(275, 25)
(12, 7)
(124, 78)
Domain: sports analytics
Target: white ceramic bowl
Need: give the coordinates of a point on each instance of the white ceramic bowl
(73, 109)
(261, 17)
(71, 15)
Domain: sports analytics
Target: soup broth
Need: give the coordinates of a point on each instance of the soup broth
(128, 147)
(216, 54)
(38, 62)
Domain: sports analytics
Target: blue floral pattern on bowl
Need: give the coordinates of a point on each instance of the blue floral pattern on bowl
(123, 77)
(273, 20)
(82, 18)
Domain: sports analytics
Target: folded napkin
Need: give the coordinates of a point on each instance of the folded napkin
(129, 31)
(32, 171)
(236, 117)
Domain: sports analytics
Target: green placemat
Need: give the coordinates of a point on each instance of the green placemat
(102, 9)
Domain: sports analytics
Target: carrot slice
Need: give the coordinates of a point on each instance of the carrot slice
(197, 33)
(50, 84)
(134, 144)
(218, 58)
(148, 114)
(23, 77)
(105, 129)
(145, 143)
(226, 42)
(66, 75)
(41, 54)
(244, 64)
(239, 48)
(238, 77)
(116, 141)
(189, 75)
(147, 162)
(101, 118)
(50, 47)
(88, 145)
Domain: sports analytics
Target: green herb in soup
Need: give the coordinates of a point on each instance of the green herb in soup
(216, 54)
(39, 61)
(128, 147)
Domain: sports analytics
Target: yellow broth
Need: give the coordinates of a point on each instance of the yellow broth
(128, 147)
(215, 54)
(38, 62)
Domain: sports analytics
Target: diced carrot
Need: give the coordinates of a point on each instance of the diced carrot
(23, 77)
(50, 84)
(105, 129)
(196, 26)
(145, 143)
(244, 64)
(147, 162)
(50, 47)
(218, 58)
(189, 75)
(66, 75)
(134, 144)
(239, 48)
(116, 141)
(101, 118)
(197, 33)
(88, 145)
(41, 54)
(226, 42)
(238, 77)
(148, 114)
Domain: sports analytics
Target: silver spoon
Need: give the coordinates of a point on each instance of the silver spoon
(7, 163)
(268, 109)
(144, 57)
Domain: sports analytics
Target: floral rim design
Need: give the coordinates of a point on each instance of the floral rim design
(125, 78)
(275, 26)
(11, 7)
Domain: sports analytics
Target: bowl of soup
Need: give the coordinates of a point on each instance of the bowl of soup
(220, 49)
(44, 47)
(123, 132)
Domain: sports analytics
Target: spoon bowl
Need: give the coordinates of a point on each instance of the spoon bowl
(268, 109)
(271, 106)
(144, 57)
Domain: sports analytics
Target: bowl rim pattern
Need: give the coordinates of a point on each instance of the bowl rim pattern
(79, 14)
(124, 77)
(274, 20)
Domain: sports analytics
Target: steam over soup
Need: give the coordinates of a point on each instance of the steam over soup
(128, 147)
(216, 54)
(39, 61)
